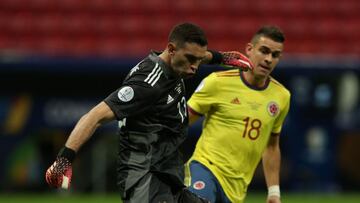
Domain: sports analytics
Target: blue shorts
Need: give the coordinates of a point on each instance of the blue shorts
(205, 184)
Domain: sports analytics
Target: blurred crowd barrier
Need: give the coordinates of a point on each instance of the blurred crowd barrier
(41, 102)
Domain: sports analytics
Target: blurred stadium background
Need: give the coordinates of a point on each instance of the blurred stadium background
(59, 58)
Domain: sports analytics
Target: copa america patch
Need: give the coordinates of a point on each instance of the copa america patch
(126, 94)
(273, 109)
(199, 185)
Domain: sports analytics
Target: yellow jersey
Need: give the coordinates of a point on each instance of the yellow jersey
(239, 121)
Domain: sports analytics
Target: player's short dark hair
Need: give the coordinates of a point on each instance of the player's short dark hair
(187, 32)
(269, 31)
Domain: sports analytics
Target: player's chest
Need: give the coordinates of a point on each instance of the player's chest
(244, 105)
(173, 97)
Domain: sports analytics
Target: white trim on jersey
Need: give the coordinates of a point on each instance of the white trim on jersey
(155, 74)
(152, 72)
(157, 78)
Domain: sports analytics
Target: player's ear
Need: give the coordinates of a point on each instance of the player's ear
(249, 47)
(171, 48)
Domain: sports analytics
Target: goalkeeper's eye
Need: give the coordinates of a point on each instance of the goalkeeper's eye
(193, 59)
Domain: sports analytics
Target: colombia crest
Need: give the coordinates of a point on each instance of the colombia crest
(273, 108)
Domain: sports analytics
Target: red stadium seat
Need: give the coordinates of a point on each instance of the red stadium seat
(48, 24)
(20, 22)
(110, 46)
(136, 25)
(78, 24)
(54, 45)
(42, 6)
(6, 42)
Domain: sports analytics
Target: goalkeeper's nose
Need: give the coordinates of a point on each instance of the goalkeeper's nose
(194, 68)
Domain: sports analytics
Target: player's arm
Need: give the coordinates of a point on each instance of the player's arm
(87, 125)
(193, 116)
(202, 99)
(230, 59)
(59, 173)
(271, 160)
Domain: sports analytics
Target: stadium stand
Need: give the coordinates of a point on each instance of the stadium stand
(130, 28)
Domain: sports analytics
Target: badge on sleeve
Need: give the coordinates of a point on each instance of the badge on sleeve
(126, 94)
(273, 109)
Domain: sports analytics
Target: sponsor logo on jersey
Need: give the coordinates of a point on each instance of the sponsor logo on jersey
(235, 101)
(273, 109)
(170, 99)
(199, 185)
(126, 93)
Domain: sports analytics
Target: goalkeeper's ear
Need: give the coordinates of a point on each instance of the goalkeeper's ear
(215, 58)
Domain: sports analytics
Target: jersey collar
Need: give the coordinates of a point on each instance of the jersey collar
(154, 56)
(243, 79)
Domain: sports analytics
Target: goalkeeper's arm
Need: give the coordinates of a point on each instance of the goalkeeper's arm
(60, 172)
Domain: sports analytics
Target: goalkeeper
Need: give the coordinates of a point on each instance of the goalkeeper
(151, 108)
(244, 113)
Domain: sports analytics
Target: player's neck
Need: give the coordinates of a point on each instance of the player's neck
(253, 80)
(165, 57)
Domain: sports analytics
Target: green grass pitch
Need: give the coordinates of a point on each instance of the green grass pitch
(111, 198)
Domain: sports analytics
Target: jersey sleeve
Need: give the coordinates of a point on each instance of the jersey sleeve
(131, 99)
(202, 98)
(280, 119)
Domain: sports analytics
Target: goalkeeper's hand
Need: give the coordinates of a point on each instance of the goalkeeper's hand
(235, 59)
(60, 172)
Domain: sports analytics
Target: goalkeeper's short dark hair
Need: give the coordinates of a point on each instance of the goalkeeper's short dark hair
(269, 31)
(187, 32)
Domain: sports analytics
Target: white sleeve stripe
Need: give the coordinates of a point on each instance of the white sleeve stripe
(153, 83)
(152, 72)
(154, 75)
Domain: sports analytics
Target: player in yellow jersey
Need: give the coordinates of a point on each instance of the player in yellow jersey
(244, 113)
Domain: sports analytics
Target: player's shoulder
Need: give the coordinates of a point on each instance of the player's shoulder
(279, 87)
(146, 65)
(143, 70)
(226, 73)
(219, 76)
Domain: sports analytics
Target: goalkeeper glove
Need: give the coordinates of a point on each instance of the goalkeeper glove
(236, 59)
(232, 59)
(60, 172)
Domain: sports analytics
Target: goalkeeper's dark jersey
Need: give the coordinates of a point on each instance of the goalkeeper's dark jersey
(151, 108)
